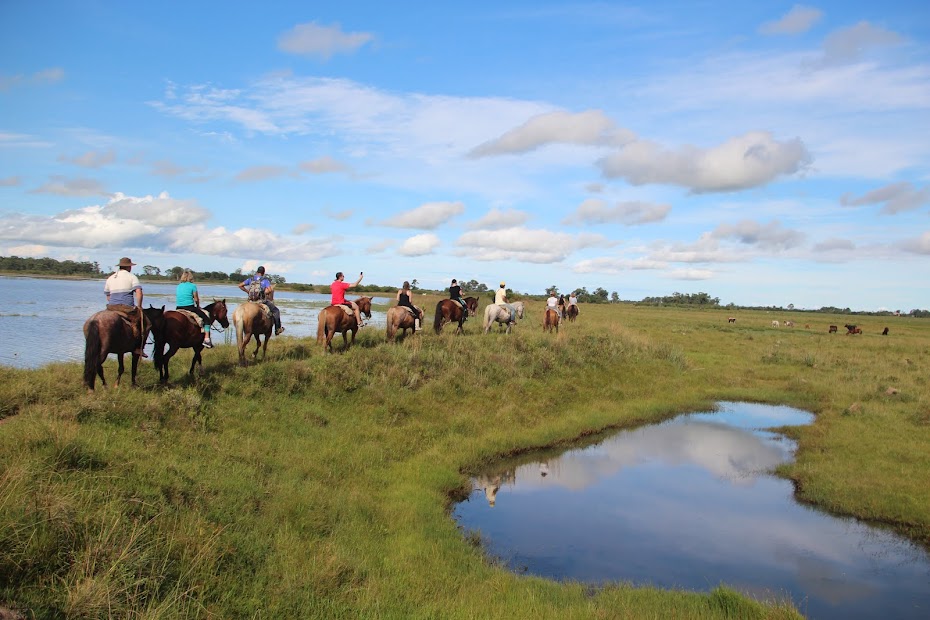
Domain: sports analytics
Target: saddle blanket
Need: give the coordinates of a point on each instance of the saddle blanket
(347, 309)
(193, 316)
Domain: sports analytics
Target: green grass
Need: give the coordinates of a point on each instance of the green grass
(313, 485)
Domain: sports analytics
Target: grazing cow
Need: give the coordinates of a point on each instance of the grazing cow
(807, 326)
(775, 323)
(833, 329)
(852, 329)
(885, 332)
(731, 319)
(789, 323)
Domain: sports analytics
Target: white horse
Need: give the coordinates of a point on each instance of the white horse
(775, 323)
(500, 314)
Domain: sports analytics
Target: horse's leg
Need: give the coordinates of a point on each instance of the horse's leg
(163, 371)
(265, 346)
(258, 344)
(120, 368)
(196, 359)
(135, 368)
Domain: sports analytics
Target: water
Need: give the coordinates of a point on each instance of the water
(691, 503)
(41, 320)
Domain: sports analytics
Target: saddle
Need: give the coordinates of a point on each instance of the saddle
(266, 311)
(410, 312)
(347, 309)
(193, 316)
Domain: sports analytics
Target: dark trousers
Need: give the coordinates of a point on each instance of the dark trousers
(274, 312)
(198, 311)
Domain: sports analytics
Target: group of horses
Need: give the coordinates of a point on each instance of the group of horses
(108, 331)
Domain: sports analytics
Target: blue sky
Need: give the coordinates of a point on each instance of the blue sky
(766, 153)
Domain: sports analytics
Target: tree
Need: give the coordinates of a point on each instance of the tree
(554, 289)
(176, 272)
(614, 298)
(151, 270)
(413, 284)
(276, 279)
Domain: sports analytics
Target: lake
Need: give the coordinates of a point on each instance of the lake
(692, 503)
(41, 320)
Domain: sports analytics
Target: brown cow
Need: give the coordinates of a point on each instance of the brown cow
(833, 329)
(885, 332)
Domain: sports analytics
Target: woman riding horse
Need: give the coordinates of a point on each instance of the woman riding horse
(182, 332)
(451, 311)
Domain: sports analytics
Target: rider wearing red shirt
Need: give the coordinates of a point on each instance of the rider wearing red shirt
(338, 290)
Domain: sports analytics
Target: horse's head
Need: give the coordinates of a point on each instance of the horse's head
(156, 319)
(218, 312)
(519, 307)
(472, 304)
(364, 306)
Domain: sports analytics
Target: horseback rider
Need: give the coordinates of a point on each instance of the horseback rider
(124, 295)
(260, 290)
(187, 298)
(500, 299)
(455, 293)
(553, 303)
(573, 300)
(338, 291)
(403, 299)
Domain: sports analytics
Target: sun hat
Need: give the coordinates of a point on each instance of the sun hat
(503, 284)
(125, 262)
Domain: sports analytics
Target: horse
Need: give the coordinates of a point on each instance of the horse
(450, 311)
(789, 323)
(832, 329)
(182, 333)
(551, 320)
(400, 317)
(108, 332)
(731, 319)
(500, 314)
(775, 323)
(252, 319)
(334, 319)
(571, 312)
(885, 332)
(852, 329)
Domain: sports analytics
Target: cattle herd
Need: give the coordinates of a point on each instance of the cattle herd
(850, 329)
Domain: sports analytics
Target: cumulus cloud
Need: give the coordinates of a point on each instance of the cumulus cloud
(90, 159)
(525, 245)
(63, 186)
(596, 211)
(706, 249)
(751, 160)
(614, 265)
(799, 19)
(770, 236)
(246, 243)
(312, 39)
(419, 245)
(591, 127)
(11, 181)
(496, 218)
(162, 210)
(834, 245)
(847, 45)
(427, 216)
(262, 173)
(322, 165)
(690, 274)
(895, 198)
(918, 245)
(88, 227)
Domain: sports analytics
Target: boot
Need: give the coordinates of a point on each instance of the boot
(207, 343)
(416, 325)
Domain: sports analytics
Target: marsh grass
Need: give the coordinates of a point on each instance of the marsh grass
(313, 485)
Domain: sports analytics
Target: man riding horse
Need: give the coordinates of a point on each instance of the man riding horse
(500, 299)
(338, 291)
(455, 294)
(260, 290)
(124, 296)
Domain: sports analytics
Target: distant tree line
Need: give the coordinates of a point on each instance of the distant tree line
(703, 300)
(49, 266)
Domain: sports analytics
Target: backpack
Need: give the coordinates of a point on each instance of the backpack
(256, 291)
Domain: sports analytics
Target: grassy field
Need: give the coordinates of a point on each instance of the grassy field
(318, 486)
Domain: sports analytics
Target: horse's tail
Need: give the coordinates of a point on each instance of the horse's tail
(488, 316)
(239, 323)
(437, 320)
(92, 351)
(321, 326)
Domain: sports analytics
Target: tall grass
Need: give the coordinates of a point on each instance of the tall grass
(314, 485)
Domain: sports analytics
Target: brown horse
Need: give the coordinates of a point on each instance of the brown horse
(108, 332)
(334, 319)
(571, 312)
(450, 311)
(551, 320)
(252, 319)
(182, 333)
(400, 317)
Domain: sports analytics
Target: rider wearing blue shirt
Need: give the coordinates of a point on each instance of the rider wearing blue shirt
(259, 289)
(187, 298)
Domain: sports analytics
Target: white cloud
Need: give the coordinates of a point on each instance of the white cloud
(523, 244)
(596, 211)
(246, 243)
(90, 159)
(322, 165)
(496, 218)
(750, 160)
(706, 249)
(591, 127)
(300, 229)
(799, 19)
(897, 197)
(63, 186)
(419, 245)
(690, 274)
(312, 39)
(771, 236)
(834, 245)
(615, 265)
(162, 210)
(427, 216)
(31, 250)
(847, 45)
(918, 245)
(88, 227)
(339, 215)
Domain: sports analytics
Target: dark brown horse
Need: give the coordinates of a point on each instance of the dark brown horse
(450, 311)
(399, 317)
(182, 333)
(108, 332)
(571, 312)
(551, 321)
(334, 319)
(252, 319)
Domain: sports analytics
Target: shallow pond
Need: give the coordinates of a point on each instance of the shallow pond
(41, 320)
(692, 503)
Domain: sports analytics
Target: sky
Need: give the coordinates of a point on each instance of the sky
(765, 153)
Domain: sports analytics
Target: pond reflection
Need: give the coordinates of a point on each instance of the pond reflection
(691, 503)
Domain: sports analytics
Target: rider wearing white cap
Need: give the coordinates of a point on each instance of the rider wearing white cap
(500, 299)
